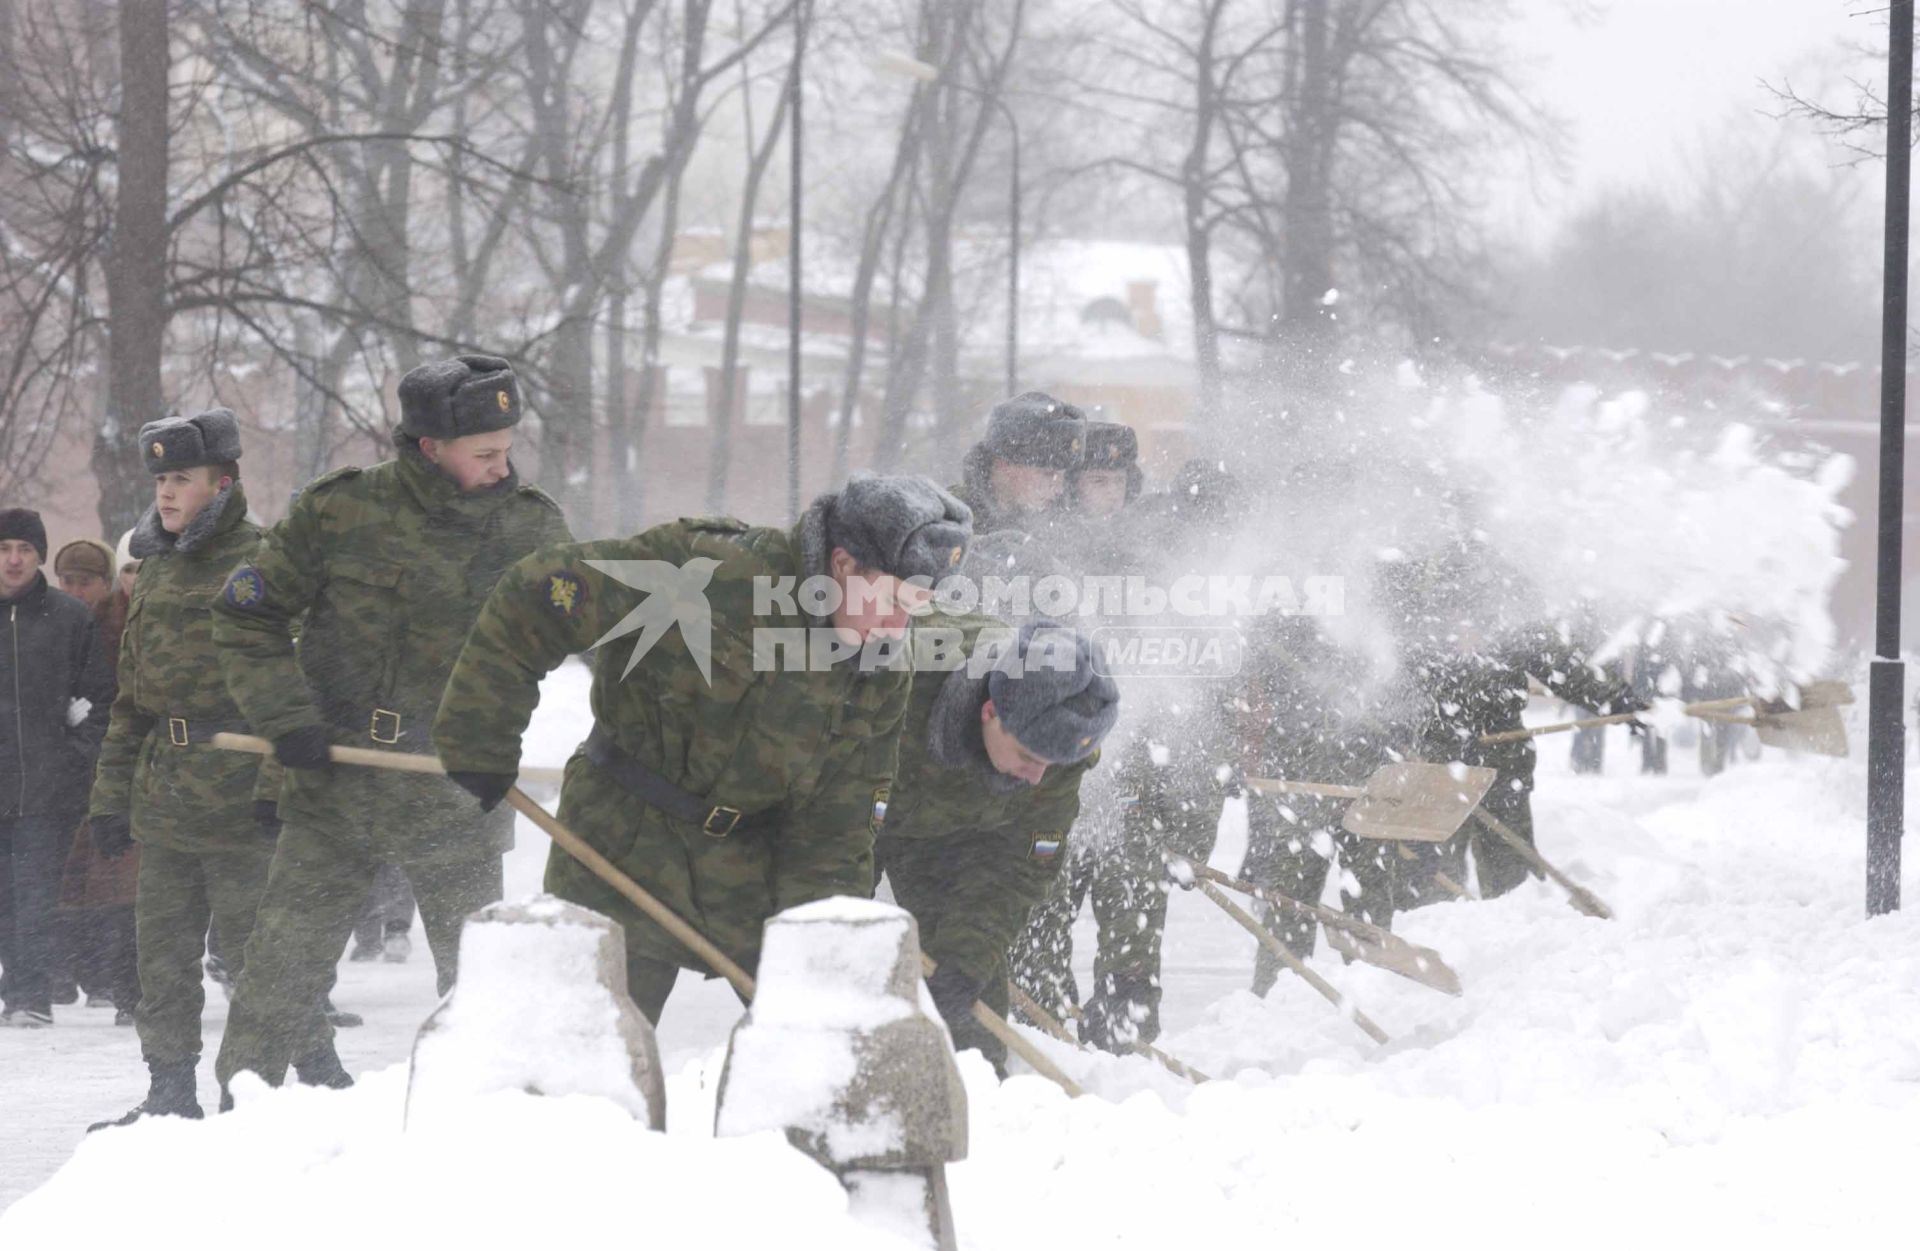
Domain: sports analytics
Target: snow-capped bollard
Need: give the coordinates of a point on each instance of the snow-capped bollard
(541, 1006)
(842, 1051)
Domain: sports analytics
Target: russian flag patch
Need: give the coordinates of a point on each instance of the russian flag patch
(1045, 847)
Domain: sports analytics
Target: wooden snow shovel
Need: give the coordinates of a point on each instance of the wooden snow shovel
(1266, 939)
(1410, 800)
(1352, 937)
(1814, 726)
(637, 895)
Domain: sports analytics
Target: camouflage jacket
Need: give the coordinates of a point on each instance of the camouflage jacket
(1008, 838)
(180, 791)
(390, 566)
(1453, 699)
(812, 750)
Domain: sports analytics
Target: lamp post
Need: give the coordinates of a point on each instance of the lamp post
(910, 67)
(1886, 682)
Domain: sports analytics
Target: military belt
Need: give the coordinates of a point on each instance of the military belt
(182, 731)
(714, 820)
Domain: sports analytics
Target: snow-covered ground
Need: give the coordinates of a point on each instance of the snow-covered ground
(1734, 1059)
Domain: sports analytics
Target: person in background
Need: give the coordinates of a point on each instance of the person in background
(95, 925)
(55, 691)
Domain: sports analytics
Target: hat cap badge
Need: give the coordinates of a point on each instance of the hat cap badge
(504, 400)
(159, 449)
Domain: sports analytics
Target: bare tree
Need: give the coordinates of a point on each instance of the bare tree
(759, 157)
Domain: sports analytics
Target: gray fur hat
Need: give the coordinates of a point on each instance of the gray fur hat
(1114, 445)
(209, 438)
(1033, 428)
(462, 395)
(905, 526)
(1057, 705)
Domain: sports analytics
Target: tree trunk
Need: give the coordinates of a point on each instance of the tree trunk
(1307, 242)
(1194, 174)
(879, 220)
(720, 435)
(136, 264)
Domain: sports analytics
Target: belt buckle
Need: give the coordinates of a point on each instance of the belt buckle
(177, 731)
(731, 816)
(373, 728)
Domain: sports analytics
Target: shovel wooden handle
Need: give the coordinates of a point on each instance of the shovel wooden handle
(1280, 786)
(367, 757)
(1051, 1025)
(633, 892)
(1286, 957)
(1704, 709)
(1579, 896)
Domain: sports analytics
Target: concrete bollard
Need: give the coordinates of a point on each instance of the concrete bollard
(842, 1051)
(541, 1006)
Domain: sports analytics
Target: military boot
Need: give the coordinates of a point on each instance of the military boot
(171, 1091)
(322, 1067)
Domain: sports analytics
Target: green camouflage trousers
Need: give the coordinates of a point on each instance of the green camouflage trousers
(1041, 960)
(335, 837)
(1500, 868)
(1175, 806)
(650, 979)
(921, 872)
(1291, 848)
(179, 893)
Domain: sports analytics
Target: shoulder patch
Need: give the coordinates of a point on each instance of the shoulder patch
(880, 796)
(529, 489)
(724, 525)
(564, 593)
(246, 590)
(1044, 846)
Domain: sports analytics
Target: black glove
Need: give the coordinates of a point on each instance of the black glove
(112, 835)
(1625, 701)
(488, 788)
(954, 993)
(305, 748)
(266, 817)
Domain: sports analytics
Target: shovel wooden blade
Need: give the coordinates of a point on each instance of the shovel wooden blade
(1423, 803)
(1820, 695)
(1403, 959)
(1816, 730)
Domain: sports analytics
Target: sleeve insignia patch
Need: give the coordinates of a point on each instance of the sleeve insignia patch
(1045, 846)
(566, 594)
(880, 796)
(245, 589)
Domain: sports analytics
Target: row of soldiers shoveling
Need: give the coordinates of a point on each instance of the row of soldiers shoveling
(411, 610)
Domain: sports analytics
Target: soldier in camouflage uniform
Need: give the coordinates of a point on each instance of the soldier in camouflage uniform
(191, 807)
(726, 779)
(1307, 718)
(384, 570)
(1016, 476)
(1465, 670)
(1107, 483)
(995, 748)
(1175, 772)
